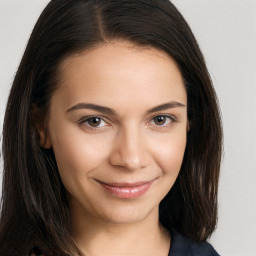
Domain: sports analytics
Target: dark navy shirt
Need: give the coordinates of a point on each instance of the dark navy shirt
(182, 246)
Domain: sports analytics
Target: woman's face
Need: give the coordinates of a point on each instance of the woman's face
(118, 125)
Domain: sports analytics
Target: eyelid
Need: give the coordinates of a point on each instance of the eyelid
(171, 117)
(84, 120)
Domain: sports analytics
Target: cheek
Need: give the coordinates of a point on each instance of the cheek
(169, 154)
(77, 154)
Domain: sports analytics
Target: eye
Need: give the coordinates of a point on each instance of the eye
(162, 120)
(93, 122)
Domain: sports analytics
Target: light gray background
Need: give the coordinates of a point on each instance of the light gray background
(225, 30)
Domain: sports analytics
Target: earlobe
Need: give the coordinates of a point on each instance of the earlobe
(45, 140)
(188, 126)
(40, 125)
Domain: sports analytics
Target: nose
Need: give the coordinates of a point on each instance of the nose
(130, 150)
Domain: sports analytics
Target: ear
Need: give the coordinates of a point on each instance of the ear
(39, 120)
(45, 140)
(188, 125)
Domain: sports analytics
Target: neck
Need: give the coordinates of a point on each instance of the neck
(96, 237)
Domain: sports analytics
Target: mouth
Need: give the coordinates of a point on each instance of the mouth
(127, 190)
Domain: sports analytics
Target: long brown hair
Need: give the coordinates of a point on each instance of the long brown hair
(35, 208)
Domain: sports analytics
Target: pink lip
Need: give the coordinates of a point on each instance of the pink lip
(127, 190)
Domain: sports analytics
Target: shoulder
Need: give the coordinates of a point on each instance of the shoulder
(183, 246)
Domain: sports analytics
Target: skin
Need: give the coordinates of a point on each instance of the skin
(128, 145)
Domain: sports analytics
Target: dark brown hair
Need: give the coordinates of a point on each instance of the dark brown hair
(35, 208)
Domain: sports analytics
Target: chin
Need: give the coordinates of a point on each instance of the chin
(123, 215)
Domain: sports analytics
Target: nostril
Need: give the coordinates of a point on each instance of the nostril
(130, 162)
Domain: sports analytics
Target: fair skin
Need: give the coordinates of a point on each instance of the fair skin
(119, 116)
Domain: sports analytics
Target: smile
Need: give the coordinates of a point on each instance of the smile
(127, 190)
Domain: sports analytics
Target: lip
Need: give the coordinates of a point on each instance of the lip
(127, 190)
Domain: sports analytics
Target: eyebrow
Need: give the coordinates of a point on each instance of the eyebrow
(168, 105)
(99, 108)
(110, 111)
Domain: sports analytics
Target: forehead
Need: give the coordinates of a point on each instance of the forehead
(121, 71)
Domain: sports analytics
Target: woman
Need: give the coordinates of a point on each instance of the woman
(112, 135)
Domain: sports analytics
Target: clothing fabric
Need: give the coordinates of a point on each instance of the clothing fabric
(182, 246)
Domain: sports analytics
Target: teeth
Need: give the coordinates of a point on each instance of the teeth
(125, 186)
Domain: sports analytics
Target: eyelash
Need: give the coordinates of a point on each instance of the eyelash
(171, 118)
(85, 120)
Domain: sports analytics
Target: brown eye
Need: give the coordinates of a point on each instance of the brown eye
(94, 121)
(160, 120)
